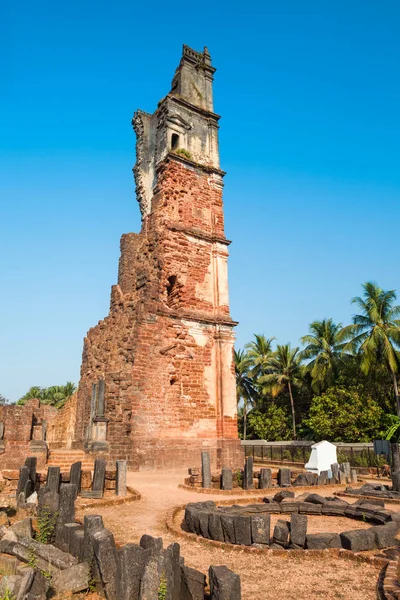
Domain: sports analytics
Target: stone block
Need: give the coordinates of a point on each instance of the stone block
(284, 477)
(203, 516)
(248, 474)
(320, 541)
(91, 524)
(281, 533)
(148, 542)
(260, 529)
(215, 527)
(106, 558)
(333, 509)
(31, 463)
(385, 535)
(132, 560)
(76, 543)
(279, 496)
(86, 479)
(99, 475)
(121, 478)
(92, 494)
(242, 527)
(192, 584)
(23, 528)
(224, 584)
(358, 540)
(47, 555)
(228, 529)
(25, 584)
(75, 475)
(66, 513)
(206, 469)
(265, 479)
(75, 579)
(315, 499)
(298, 530)
(39, 588)
(53, 479)
(226, 479)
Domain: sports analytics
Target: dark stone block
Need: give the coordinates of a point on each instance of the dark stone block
(203, 516)
(228, 529)
(308, 508)
(385, 535)
(91, 494)
(265, 479)
(76, 543)
(66, 513)
(226, 479)
(148, 542)
(298, 530)
(99, 475)
(23, 480)
(75, 475)
(334, 509)
(53, 479)
(320, 541)
(215, 527)
(206, 469)
(192, 584)
(301, 480)
(281, 533)
(260, 529)
(31, 463)
(91, 524)
(106, 559)
(224, 584)
(132, 560)
(248, 474)
(242, 527)
(358, 540)
(284, 477)
(172, 571)
(279, 496)
(288, 506)
(315, 499)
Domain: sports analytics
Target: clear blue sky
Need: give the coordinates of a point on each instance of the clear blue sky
(309, 93)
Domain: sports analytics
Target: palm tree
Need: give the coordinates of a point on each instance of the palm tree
(375, 333)
(33, 392)
(284, 372)
(244, 386)
(259, 352)
(325, 351)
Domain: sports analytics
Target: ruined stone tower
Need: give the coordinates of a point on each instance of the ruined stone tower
(157, 378)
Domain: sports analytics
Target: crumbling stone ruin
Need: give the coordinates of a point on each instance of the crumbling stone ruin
(157, 377)
(46, 551)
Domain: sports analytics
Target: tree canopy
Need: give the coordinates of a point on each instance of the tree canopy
(56, 395)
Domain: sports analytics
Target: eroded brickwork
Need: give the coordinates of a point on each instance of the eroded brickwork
(165, 351)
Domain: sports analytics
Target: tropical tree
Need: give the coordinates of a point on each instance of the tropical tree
(259, 352)
(284, 373)
(375, 332)
(56, 395)
(325, 352)
(244, 386)
(33, 392)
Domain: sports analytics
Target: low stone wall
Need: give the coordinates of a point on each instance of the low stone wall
(61, 429)
(250, 525)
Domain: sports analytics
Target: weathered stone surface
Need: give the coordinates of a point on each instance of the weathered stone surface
(279, 496)
(132, 560)
(353, 476)
(248, 474)
(357, 540)
(228, 529)
(333, 508)
(148, 542)
(298, 530)
(25, 584)
(120, 487)
(226, 479)
(152, 578)
(265, 479)
(260, 529)
(68, 533)
(91, 524)
(106, 558)
(76, 543)
(289, 505)
(39, 588)
(47, 555)
(23, 481)
(224, 584)
(99, 475)
(284, 477)
(203, 517)
(31, 463)
(10, 584)
(53, 479)
(66, 513)
(315, 499)
(75, 579)
(206, 469)
(75, 474)
(281, 533)
(192, 584)
(242, 527)
(215, 527)
(172, 571)
(320, 541)
(23, 528)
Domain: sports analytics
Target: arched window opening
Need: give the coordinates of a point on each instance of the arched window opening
(174, 141)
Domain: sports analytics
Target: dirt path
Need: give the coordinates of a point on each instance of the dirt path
(263, 578)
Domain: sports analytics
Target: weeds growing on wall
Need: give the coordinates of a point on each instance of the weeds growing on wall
(46, 525)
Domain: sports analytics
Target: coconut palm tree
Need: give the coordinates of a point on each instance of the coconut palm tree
(325, 351)
(284, 372)
(244, 386)
(375, 332)
(259, 352)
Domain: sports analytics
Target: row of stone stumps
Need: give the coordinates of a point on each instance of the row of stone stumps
(80, 555)
(28, 480)
(341, 474)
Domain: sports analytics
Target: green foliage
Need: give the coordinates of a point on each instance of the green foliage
(162, 588)
(32, 559)
(46, 525)
(56, 395)
(342, 415)
(270, 425)
(7, 595)
(183, 152)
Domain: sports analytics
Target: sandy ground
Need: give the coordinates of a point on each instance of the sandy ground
(263, 578)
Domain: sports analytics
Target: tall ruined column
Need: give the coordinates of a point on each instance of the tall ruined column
(165, 351)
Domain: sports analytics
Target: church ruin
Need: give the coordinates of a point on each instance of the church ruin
(157, 377)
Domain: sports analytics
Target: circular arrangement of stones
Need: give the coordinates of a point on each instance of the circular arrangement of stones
(250, 525)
